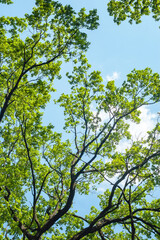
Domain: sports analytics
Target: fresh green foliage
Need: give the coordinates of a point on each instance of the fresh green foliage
(133, 9)
(40, 172)
(6, 1)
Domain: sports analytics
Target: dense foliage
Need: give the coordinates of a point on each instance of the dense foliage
(40, 172)
(133, 9)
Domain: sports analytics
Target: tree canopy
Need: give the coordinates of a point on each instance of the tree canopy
(41, 170)
(133, 9)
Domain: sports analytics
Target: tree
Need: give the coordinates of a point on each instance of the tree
(38, 163)
(133, 9)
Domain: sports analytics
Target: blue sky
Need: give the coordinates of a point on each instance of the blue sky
(121, 48)
(114, 50)
(117, 50)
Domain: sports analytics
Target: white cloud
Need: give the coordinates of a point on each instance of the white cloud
(104, 116)
(147, 123)
(114, 76)
(138, 131)
(102, 187)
